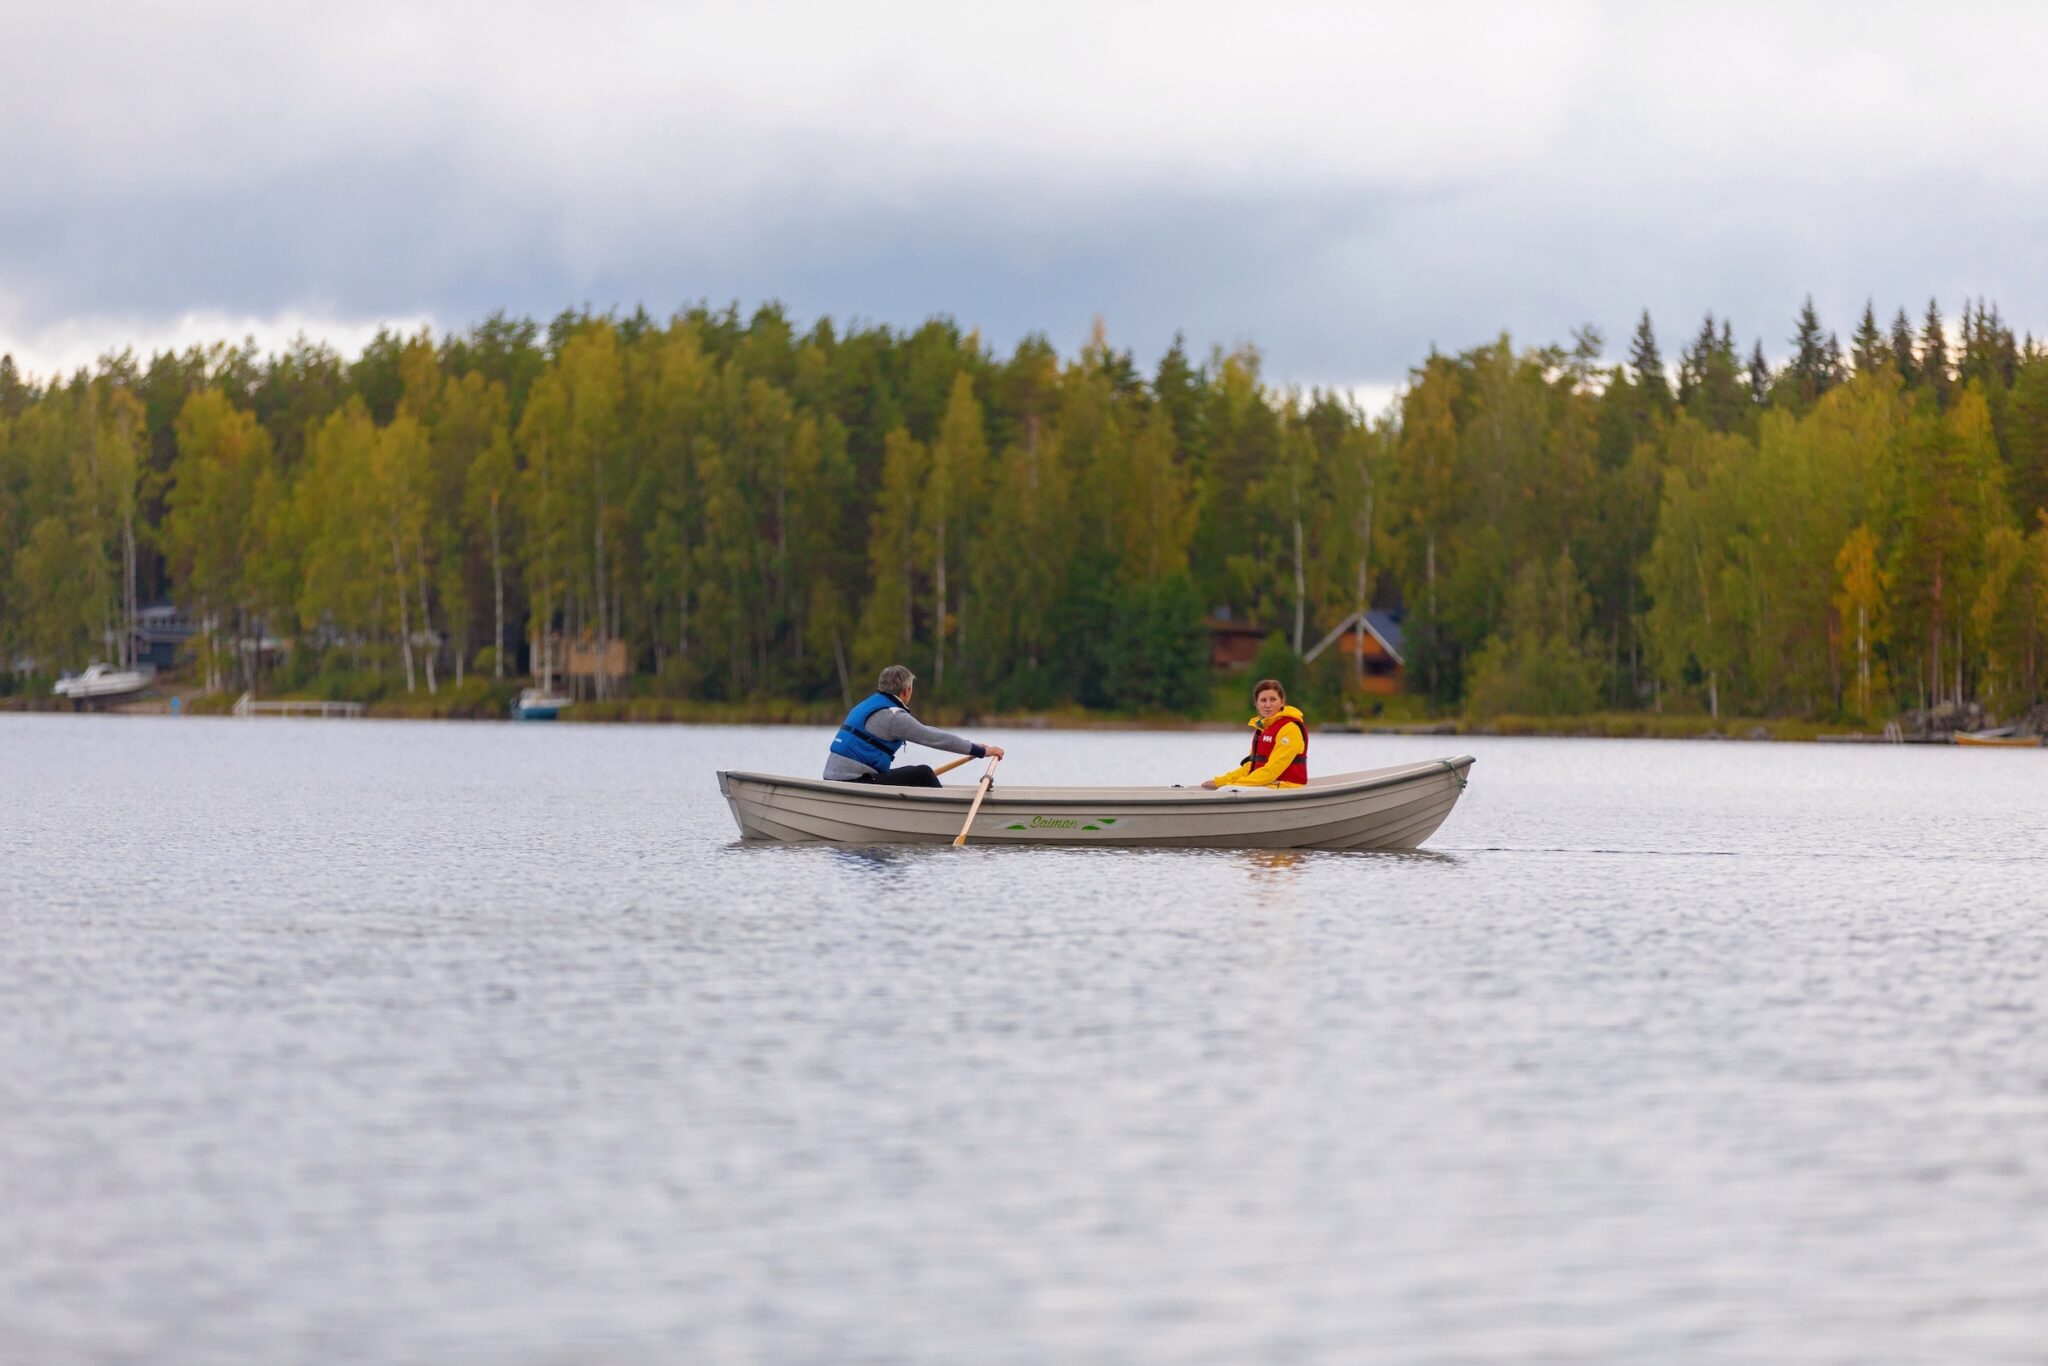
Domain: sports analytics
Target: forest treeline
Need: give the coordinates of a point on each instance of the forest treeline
(750, 510)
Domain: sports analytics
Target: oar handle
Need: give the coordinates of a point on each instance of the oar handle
(948, 768)
(980, 791)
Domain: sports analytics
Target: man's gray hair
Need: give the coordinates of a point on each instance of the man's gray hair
(894, 680)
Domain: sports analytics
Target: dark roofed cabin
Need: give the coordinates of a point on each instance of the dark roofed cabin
(161, 629)
(1233, 644)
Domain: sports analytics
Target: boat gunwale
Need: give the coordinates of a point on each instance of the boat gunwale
(1205, 798)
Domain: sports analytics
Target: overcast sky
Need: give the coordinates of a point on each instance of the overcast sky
(1342, 185)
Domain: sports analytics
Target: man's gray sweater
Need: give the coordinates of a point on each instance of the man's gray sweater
(894, 723)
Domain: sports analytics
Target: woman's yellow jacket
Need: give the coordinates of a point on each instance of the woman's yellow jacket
(1287, 746)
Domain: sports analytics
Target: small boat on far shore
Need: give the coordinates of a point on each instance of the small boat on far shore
(103, 683)
(537, 704)
(2002, 738)
(1381, 808)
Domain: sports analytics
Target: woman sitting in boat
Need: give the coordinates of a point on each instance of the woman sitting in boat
(1279, 756)
(864, 750)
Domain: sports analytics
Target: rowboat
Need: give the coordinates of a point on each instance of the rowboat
(2000, 739)
(1379, 808)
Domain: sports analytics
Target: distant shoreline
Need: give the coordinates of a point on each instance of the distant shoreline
(662, 711)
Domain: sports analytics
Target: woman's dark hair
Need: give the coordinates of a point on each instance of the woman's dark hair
(1268, 685)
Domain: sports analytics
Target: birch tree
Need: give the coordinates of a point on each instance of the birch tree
(398, 457)
(887, 621)
(336, 516)
(210, 530)
(953, 484)
(1860, 601)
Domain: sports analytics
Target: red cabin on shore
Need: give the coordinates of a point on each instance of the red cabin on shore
(1374, 639)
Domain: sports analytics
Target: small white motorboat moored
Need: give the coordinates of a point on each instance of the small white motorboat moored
(1380, 808)
(104, 683)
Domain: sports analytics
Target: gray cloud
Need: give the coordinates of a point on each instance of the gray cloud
(1343, 188)
(358, 234)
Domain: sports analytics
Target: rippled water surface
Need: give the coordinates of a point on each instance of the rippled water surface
(409, 1042)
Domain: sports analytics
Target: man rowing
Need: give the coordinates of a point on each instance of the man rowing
(864, 750)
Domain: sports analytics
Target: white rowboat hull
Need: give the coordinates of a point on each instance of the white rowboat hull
(1382, 808)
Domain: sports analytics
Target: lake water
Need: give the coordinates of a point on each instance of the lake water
(410, 1042)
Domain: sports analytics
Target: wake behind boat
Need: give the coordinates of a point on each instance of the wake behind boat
(1380, 808)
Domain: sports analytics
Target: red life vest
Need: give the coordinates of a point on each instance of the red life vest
(1262, 750)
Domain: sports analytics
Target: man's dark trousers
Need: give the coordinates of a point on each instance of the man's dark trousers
(910, 775)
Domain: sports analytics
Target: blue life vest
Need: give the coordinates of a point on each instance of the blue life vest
(853, 741)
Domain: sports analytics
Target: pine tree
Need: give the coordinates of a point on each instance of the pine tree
(1816, 356)
(1648, 363)
(2027, 442)
(1692, 363)
(1904, 358)
(2005, 349)
(1710, 385)
(1952, 494)
(1178, 386)
(1807, 358)
(1934, 371)
(14, 392)
(1759, 375)
(1990, 355)
(1867, 349)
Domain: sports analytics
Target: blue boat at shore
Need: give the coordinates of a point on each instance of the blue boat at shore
(537, 704)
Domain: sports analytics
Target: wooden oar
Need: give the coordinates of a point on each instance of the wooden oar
(948, 768)
(979, 793)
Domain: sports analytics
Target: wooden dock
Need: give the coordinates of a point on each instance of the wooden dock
(1892, 736)
(247, 705)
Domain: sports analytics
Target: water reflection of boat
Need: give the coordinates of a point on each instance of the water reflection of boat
(2002, 738)
(103, 683)
(537, 704)
(1382, 808)
(1273, 867)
